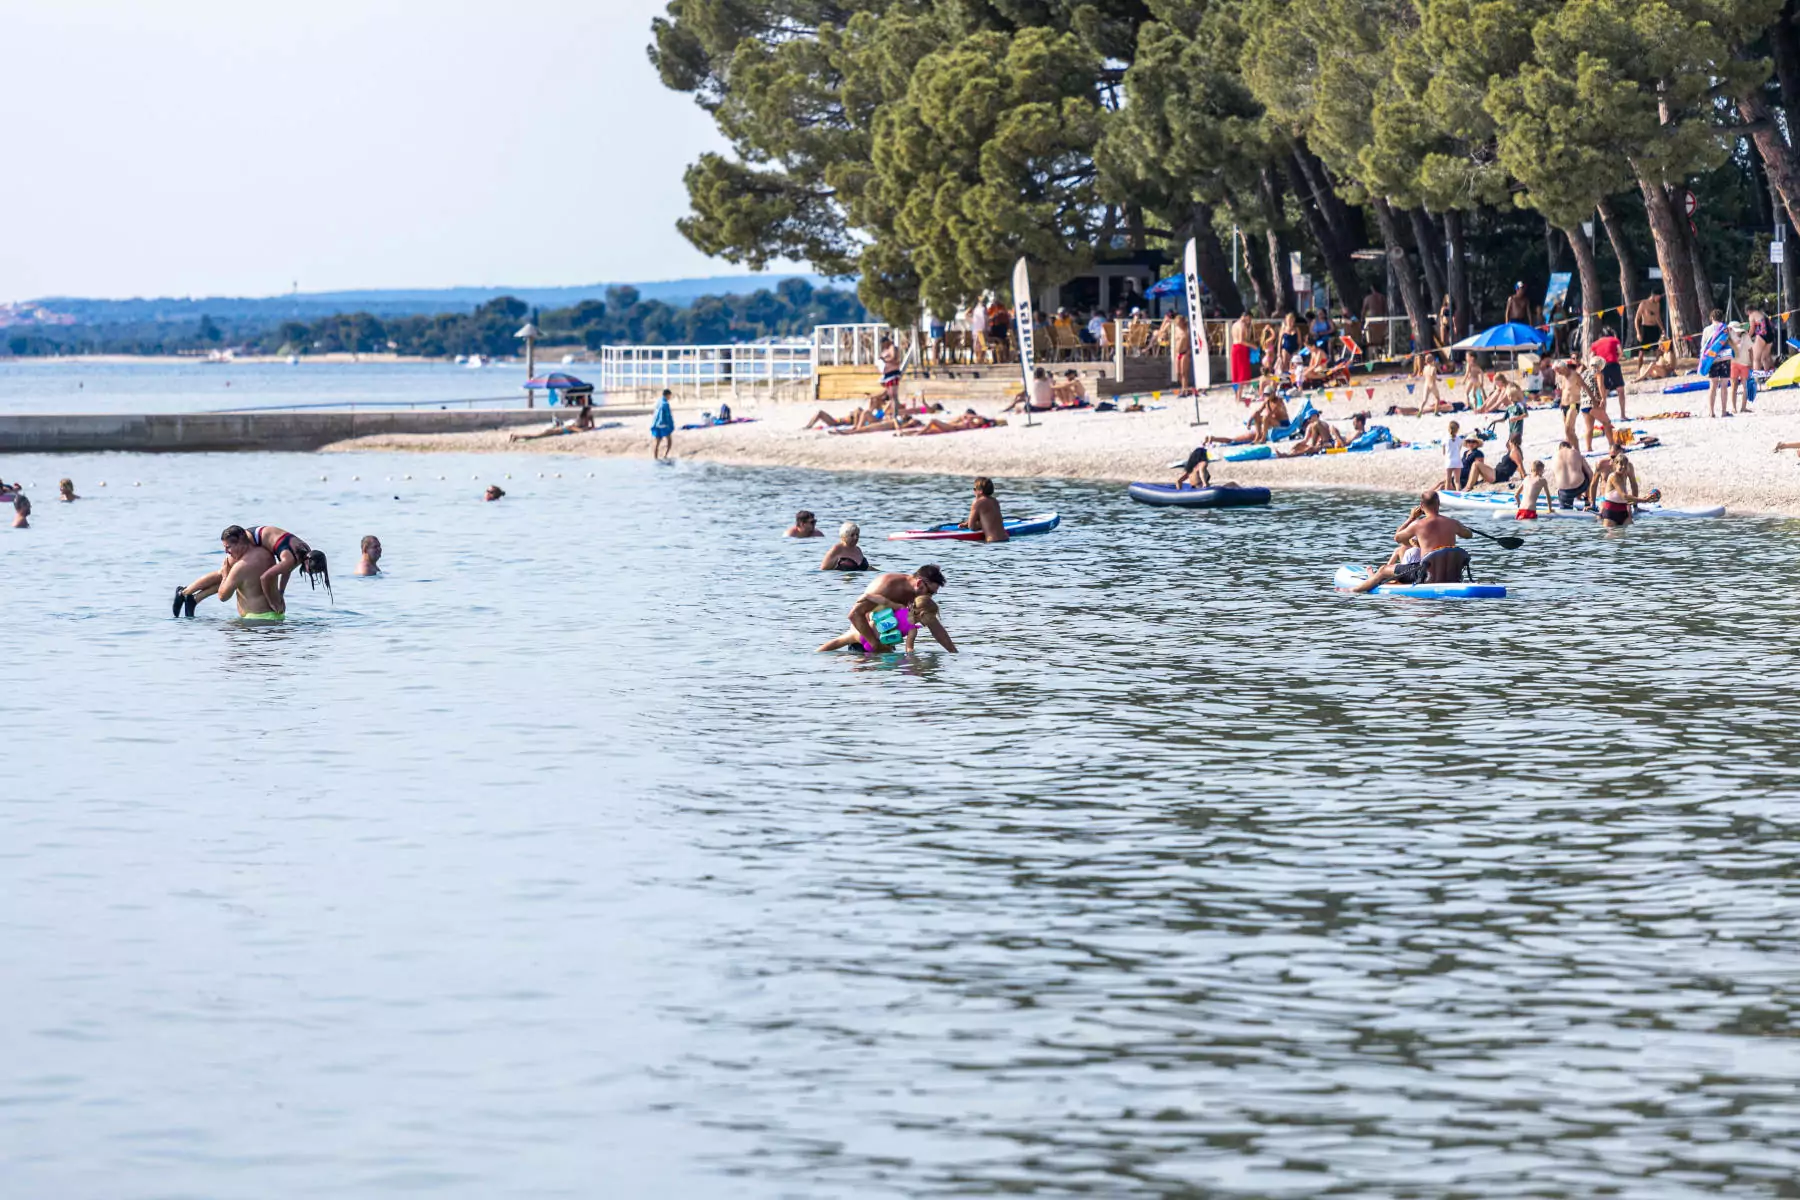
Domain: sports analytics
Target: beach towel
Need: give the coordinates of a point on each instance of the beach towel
(662, 425)
(1372, 437)
(715, 424)
(1282, 433)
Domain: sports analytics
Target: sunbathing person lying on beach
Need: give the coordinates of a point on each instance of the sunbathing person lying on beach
(969, 420)
(856, 420)
(1316, 438)
(583, 422)
(1271, 414)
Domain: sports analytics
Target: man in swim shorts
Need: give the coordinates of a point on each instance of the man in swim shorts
(247, 580)
(1570, 476)
(984, 513)
(242, 558)
(894, 590)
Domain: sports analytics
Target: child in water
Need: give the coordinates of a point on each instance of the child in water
(902, 627)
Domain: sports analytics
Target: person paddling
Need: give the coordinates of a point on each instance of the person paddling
(1441, 560)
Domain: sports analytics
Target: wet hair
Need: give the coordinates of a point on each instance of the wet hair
(849, 531)
(931, 573)
(233, 533)
(315, 569)
(21, 505)
(984, 485)
(65, 485)
(924, 607)
(804, 517)
(370, 540)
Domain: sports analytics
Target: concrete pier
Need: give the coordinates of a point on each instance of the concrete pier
(62, 433)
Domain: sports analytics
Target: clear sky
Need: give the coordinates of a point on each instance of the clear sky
(225, 147)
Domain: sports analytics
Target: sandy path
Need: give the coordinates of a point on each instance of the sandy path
(1704, 462)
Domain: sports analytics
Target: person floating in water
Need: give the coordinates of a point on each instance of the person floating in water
(846, 554)
(494, 492)
(891, 595)
(67, 490)
(369, 564)
(984, 513)
(805, 525)
(662, 428)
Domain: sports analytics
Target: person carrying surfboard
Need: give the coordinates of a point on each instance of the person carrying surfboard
(984, 513)
(1441, 560)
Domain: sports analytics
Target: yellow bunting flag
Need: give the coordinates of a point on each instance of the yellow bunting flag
(1328, 394)
(1156, 395)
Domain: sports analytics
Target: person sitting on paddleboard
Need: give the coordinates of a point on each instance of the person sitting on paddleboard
(984, 513)
(1616, 483)
(895, 591)
(805, 526)
(1196, 473)
(1441, 560)
(1474, 465)
(846, 554)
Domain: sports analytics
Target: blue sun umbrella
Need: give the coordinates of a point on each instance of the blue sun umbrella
(1510, 336)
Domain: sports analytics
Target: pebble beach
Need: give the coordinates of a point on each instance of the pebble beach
(1702, 462)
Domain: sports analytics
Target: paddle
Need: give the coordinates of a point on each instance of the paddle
(1509, 542)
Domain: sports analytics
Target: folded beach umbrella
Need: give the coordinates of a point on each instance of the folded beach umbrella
(1510, 336)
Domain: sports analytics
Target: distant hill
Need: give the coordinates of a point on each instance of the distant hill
(392, 302)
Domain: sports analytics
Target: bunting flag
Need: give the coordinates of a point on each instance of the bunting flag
(1410, 387)
(1156, 395)
(1328, 394)
(1371, 392)
(1451, 381)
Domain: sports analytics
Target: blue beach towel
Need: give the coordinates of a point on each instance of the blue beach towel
(1370, 438)
(662, 425)
(1282, 433)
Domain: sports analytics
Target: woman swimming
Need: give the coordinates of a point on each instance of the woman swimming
(846, 554)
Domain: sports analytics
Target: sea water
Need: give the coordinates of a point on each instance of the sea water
(553, 861)
(78, 385)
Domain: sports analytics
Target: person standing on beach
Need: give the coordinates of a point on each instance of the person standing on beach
(662, 429)
(1612, 376)
(1428, 372)
(984, 513)
(1648, 320)
(1518, 305)
(978, 330)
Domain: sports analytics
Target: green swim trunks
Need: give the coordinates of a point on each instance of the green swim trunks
(263, 616)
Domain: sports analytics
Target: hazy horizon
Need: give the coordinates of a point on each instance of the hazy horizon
(200, 148)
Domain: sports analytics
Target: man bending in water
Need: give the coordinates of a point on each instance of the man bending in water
(895, 591)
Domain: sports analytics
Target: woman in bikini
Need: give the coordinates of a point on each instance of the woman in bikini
(846, 553)
(969, 420)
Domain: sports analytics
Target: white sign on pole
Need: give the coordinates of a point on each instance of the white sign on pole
(1022, 319)
(1656, 272)
(1196, 322)
(1777, 252)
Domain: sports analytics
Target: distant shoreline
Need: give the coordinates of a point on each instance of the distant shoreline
(268, 360)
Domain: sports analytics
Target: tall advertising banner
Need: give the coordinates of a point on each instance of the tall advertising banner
(1021, 289)
(1196, 323)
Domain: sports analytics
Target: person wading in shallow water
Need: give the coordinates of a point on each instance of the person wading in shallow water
(898, 595)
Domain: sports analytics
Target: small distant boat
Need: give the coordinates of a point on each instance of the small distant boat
(474, 360)
(568, 358)
(293, 360)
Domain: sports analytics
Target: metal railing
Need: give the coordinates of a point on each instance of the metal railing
(690, 370)
(856, 345)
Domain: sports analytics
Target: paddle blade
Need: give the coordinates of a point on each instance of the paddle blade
(1510, 543)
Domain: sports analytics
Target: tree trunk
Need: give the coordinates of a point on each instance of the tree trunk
(1214, 264)
(1340, 216)
(1134, 228)
(1429, 255)
(1589, 268)
(1269, 193)
(1703, 293)
(1778, 158)
(1404, 276)
(1784, 49)
(1338, 263)
(1260, 287)
(1456, 275)
(1676, 264)
(1628, 271)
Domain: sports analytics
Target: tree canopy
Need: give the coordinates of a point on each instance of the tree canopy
(924, 144)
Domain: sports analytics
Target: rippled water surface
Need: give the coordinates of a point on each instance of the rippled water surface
(555, 863)
(86, 385)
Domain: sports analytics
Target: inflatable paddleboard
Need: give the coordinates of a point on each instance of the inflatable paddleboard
(1249, 453)
(1348, 577)
(1167, 495)
(1041, 523)
(1504, 504)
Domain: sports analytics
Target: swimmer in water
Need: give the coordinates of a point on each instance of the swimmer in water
(846, 554)
(371, 556)
(895, 591)
(21, 512)
(805, 526)
(922, 613)
(67, 490)
(494, 492)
